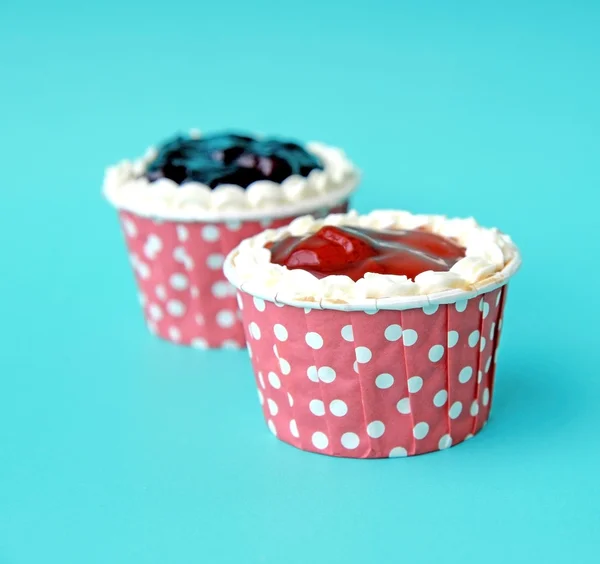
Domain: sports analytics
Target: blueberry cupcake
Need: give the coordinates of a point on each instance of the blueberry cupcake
(374, 336)
(187, 203)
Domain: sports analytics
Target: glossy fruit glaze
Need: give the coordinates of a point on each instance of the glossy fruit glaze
(354, 251)
(228, 158)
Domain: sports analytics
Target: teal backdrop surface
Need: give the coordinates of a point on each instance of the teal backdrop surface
(117, 448)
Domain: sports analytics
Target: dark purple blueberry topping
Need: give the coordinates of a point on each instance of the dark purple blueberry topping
(228, 158)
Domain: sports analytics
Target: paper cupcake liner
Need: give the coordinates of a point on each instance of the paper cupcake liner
(178, 268)
(381, 384)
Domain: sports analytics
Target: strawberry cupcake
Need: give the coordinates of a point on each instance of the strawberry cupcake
(374, 336)
(189, 201)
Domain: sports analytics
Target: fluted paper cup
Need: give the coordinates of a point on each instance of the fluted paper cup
(178, 268)
(365, 382)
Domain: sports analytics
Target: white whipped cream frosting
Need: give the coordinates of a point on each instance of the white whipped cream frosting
(126, 187)
(491, 258)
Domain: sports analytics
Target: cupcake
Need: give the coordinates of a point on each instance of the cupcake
(374, 336)
(188, 202)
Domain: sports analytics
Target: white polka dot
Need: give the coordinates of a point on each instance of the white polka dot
(350, 441)
(465, 374)
(320, 440)
(261, 398)
(290, 399)
(455, 410)
(307, 310)
(225, 318)
(415, 383)
(492, 330)
(249, 349)
(254, 330)
(130, 228)
(398, 452)
(180, 255)
(474, 408)
(152, 327)
(403, 406)
(231, 344)
(479, 376)
(280, 332)
(347, 333)
(482, 344)
(233, 225)
(215, 261)
(199, 343)
(155, 312)
(326, 374)
(261, 379)
(274, 380)
(294, 428)
(452, 338)
(355, 366)
(436, 353)
(275, 351)
(338, 408)
(285, 367)
(500, 324)
(312, 374)
(440, 398)
(199, 319)
(420, 430)
(264, 223)
(271, 426)
(174, 333)
(445, 442)
(430, 309)
(194, 292)
(317, 407)
(142, 298)
(474, 338)
(498, 296)
(210, 233)
(314, 340)
(153, 246)
(486, 396)
(273, 408)
(363, 354)
(221, 289)
(485, 309)
(384, 381)
(182, 233)
(370, 310)
(143, 270)
(461, 305)
(175, 308)
(161, 292)
(375, 429)
(259, 304)
(409, 337)
(393, 332)
(488, 363)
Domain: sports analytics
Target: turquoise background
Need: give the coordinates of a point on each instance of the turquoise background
(118, 448)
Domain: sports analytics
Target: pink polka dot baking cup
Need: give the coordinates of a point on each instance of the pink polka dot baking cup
(178, 268)
(387, 383)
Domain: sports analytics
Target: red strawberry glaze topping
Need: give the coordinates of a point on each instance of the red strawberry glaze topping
(354, 251)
